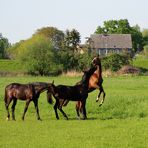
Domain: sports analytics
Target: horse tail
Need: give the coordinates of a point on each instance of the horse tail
(49, 97)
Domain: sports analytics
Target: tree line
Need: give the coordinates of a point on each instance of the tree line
(51, 51)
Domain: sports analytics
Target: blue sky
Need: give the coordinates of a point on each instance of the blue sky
(19, 19)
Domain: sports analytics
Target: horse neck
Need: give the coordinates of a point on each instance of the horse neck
(41, 88)
(85, 82)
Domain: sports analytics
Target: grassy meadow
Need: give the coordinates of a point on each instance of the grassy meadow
(122, 121)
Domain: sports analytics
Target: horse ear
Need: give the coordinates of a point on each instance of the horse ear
(53, 82)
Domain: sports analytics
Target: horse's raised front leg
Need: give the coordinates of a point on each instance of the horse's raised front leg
(101, 90)
(25, 109)
(35, 101)
(13, 108)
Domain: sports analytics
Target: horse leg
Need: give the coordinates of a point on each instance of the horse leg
(78, 107)
(25, 109)
(103, 96)
(64, 114)
(13, 108)
(60, 108)
(84, 109)
(55, 108)
(37, 109)
(99, 95)
(7, 102)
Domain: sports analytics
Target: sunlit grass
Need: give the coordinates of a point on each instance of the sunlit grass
(120, 122)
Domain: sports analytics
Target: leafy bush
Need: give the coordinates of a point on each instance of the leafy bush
(37, 54)
(114, 62)
(74, 61)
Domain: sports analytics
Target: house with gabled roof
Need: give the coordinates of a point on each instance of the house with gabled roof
(104, 44)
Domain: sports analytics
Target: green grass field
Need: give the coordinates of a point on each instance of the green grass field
(141, 61)
(121, 122)
(11, 66)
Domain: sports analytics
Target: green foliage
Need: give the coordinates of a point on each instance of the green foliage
(4, 44)
(114, 62)
(122, 26)
(53, 34)
(37, 54)
(74, 61)
(72, 40)
(13, 51)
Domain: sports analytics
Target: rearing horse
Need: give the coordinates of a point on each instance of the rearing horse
(26, 92)
(95, 82)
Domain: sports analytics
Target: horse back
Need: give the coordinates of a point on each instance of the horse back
(73, 93)
(19, 91)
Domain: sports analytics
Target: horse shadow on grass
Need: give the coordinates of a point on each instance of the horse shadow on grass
(79, 119)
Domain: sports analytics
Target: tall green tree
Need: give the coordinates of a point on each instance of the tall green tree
(53, 34)
(72, 40)
(4, 44)
(122, 26)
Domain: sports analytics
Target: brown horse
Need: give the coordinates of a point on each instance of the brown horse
(26, 92)
(78, 92)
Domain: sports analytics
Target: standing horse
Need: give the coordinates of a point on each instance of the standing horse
(78, 92)
(26, 92)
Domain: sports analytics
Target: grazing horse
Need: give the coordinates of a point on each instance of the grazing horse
(26, 92)
(78, 92)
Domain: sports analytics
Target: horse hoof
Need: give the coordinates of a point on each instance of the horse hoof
(84, 118)
(100, 105)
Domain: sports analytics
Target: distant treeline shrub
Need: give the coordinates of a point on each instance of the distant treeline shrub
(115, 61)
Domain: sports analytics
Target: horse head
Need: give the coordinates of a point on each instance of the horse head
(96, 60)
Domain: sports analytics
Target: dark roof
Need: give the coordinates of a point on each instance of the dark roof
(111, 41)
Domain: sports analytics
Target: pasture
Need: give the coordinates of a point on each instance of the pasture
(122, 121)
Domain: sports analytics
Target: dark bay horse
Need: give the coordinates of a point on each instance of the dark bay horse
(26, 92)
(78, 92)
